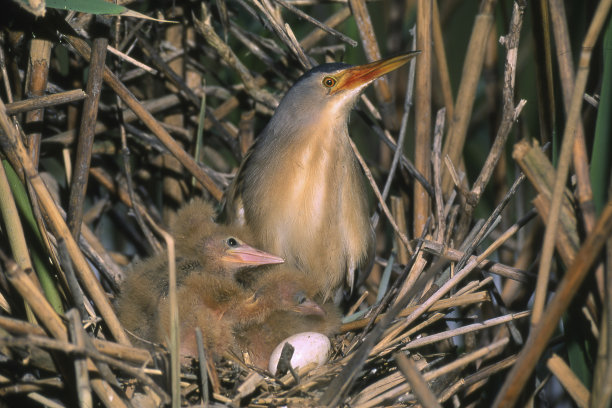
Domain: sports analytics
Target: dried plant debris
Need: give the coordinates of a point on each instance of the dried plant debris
(489, 281)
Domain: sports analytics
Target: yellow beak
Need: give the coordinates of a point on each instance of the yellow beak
(361, 75)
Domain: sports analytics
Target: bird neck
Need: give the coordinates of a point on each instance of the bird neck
(304, 138)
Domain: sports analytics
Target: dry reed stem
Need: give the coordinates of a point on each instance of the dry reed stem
(441, 304)
(11, 142)
(489, 266)
(372, 52)
(78, 185)
(399, 214)
(41, 102)
(473, 381)
(422, 111)
(143, 67)
(472, 67)
(396, 386)
(318, 34)
(146, 117)
(36, 85)
(423, 341)
(34, 396)
(567, 241)
(442, 64)
(324, 27)
(73, 349)
(544, 70)
(80, 364)
(420, 388)
(154, 106)
(567, 80)
(397, 154)
(172, 76)
(448, 285)
(436, 163)
(565, 158)
(510, 114)
(602, 389)
(584, 193)
(83, 305)
(540, 172)
(481, 232)
(568, 379)
(54, 324)
(567, 288)
(510, 111)
(381, 201)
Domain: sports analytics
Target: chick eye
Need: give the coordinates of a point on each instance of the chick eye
(232, 242)
(301, 298)
(329, 82)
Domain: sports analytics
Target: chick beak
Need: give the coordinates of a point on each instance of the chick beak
(248, 256)
(310, 307)
(361, 75)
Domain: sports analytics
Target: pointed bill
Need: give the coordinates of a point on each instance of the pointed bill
(361, 75)
(247, 255)
(310, 307)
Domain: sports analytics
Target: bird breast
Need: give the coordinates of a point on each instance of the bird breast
(311, 206)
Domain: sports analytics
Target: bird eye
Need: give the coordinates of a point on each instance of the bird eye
(329, 82)
(301, 298)
(232, 242)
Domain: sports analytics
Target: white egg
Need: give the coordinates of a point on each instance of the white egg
(310, 347)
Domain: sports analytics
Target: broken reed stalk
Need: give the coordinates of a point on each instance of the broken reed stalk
(37, 75)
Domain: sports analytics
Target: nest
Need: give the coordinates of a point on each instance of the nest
(126, 117)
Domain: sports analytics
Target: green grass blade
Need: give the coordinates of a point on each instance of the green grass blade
(87, 6)
(602, 144)
(39, 258)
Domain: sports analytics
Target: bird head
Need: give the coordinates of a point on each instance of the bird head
(227, 253)
(331, 90)
(286, 292)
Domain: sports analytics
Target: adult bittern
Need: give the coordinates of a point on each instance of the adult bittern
(300, 188)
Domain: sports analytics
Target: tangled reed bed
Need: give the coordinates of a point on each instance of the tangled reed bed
(124, 119)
